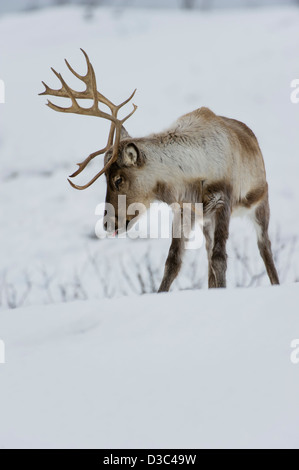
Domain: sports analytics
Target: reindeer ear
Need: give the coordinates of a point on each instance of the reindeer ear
(130, 155)
(123, 133)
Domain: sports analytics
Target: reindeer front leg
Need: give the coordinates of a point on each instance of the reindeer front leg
(173, 264)
(218, 261)
(175, 255)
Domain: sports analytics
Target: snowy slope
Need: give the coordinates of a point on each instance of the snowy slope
(187, 369)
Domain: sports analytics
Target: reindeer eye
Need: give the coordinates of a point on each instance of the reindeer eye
(117, 182)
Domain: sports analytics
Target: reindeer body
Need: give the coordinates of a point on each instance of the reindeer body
(203, 146)
(201, 158)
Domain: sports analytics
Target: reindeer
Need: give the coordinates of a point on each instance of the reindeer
(202, 157)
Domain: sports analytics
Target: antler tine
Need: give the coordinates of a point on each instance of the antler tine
(49, 91)
(89, 80)
(85, 162)
(90, 73)
(108, 164)
(89, 67)
(74, 108)
(127, 100)
(80, 77)
(129, 115)
(105, 168)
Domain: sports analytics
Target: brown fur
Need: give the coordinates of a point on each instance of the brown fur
(163, 192)
(254, 196)
(243, 134)
(215, 195)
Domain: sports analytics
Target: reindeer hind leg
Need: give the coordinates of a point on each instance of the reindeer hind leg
(209, 236)
(261, 222)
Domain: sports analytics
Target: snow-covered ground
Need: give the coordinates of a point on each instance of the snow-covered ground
(187, 369)
(194, 369)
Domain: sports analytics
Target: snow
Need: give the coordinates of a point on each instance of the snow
(101, 365)
(200, 369)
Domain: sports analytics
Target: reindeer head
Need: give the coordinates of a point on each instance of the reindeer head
(122, 157)
(128, 192)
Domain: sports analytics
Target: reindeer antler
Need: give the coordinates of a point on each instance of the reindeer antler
(91, 93)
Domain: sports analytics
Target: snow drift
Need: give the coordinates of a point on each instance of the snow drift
(182, 370)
